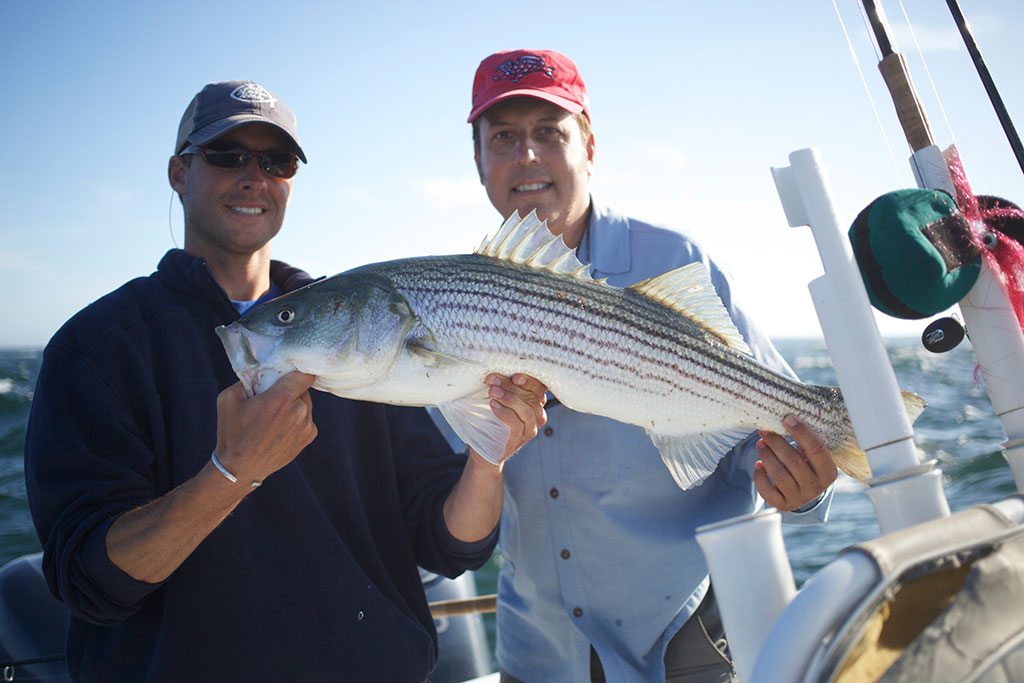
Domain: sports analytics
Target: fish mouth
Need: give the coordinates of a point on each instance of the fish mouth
(249, 354)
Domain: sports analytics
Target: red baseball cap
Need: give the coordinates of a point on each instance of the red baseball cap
(544, 74)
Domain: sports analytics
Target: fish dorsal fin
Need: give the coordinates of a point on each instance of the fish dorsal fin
(688, 290)
(528, 242)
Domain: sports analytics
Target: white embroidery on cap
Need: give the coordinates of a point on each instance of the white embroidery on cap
(253, 92)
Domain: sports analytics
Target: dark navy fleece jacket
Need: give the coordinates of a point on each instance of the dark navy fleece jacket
(313, 577)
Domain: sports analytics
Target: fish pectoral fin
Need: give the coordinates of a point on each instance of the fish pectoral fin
(692, 458)
(473, 420)
(433, 358)
(344, 383)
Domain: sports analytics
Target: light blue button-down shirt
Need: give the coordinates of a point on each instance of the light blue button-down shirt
(597, 540)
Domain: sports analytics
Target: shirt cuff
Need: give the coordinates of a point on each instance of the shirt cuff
(465, 554)
(810, 505)
(116, 585)
(468, 550)
(813, 512)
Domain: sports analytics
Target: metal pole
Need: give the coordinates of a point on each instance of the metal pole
(481, 604)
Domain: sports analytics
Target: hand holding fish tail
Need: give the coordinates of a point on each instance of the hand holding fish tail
(789, 476)
(258, 436)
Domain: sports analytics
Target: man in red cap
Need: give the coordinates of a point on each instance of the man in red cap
(196, 534)
(602, 576)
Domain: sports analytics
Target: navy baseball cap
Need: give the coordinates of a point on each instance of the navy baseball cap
(219, 107)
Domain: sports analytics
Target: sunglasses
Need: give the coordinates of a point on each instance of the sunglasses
(281, 165)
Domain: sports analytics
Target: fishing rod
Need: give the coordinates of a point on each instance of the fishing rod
(986, 79)
(896, 74)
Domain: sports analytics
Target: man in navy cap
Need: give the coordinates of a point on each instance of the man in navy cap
(603, 578)
(200, 535)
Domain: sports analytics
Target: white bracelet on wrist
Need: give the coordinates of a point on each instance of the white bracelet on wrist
(232, 478)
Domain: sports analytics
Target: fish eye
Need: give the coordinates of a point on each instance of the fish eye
(989, 239)
(285, 315)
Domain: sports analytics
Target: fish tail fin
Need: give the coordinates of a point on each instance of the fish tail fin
(914, 405)
(850, 458)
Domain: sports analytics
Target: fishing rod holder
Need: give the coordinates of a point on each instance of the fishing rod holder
(748, 612)
(907, 492)
(1013, 451)
(888, 494)
(858, 355)
(998, 345)
(993, 327)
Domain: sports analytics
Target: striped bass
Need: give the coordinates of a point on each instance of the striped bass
(662, 354)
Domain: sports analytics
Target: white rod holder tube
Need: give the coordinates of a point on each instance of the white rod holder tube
(865, 374)
(999, 346)
(907, 498)
(1013, 451)
(931, 171)
(1012, 507)
(988, 316)
(862, 364)
(750, 602)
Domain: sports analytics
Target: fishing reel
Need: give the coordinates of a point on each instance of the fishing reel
(919, 254)
(943, 335)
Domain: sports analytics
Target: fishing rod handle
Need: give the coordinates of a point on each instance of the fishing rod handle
(904, 97)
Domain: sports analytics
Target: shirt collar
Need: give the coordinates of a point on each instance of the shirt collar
(606, 240)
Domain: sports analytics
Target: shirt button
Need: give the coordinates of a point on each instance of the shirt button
(565, 554)
(577, 612)
(548, 431)
(553, 493)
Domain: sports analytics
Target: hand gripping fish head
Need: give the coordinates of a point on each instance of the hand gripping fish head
(346, 330)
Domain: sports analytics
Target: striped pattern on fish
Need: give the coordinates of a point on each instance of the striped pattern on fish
(662, 354)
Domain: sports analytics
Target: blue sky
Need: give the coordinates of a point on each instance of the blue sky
(692, 104)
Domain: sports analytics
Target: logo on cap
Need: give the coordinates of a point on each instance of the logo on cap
(253, 92)
(515, 69)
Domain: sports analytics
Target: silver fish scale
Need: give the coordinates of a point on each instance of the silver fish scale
(584, 338)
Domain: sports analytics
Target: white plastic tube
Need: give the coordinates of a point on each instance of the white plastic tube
(930, 169)
(1013, 508)
(854, 344)
(999, 346)
(1013, 451)
(909, 497)
(865, 374)
(862, 365)
(749, 600)
(991, 324)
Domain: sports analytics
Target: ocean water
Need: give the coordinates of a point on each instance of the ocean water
(18, 369)
(958, 429)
